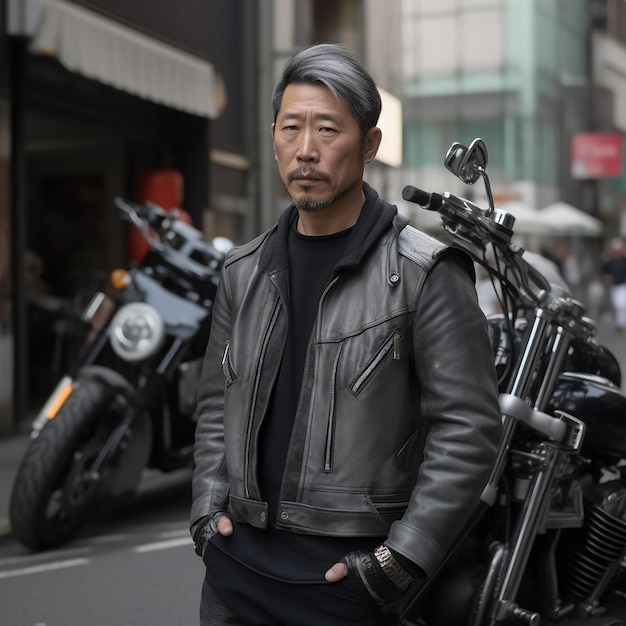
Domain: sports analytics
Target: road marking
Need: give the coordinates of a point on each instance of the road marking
(59, 555)
(40, 569)
(164, 545)
(181, 532)
(112, 538)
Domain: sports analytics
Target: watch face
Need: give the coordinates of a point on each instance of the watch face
(392, 568)
(382, 554)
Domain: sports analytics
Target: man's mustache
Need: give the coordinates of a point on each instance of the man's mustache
(307, 172)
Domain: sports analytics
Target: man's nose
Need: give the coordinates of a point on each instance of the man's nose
(307, 148)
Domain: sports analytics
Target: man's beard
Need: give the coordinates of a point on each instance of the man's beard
(312, 206)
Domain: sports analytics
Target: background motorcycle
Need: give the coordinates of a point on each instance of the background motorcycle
(547, 543)
(129, 403)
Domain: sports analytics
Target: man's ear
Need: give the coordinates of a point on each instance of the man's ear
(273, 130)
(372, 143)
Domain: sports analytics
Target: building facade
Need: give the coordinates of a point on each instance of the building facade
(526, 77)
(95, 96)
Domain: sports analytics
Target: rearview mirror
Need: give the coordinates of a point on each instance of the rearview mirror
(467, 163)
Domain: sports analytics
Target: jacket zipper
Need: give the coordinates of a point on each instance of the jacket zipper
(392, 345)
(330, 430)
(268, 333)
(226, 367)
(328, 452)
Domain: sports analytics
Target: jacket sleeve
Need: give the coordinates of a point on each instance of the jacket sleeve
(210, 476)
(460, 408)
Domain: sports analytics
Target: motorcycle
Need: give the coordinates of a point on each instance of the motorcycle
(547, 541)
(128, 403)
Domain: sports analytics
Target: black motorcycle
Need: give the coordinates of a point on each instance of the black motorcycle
(129, 402)
(547, 542)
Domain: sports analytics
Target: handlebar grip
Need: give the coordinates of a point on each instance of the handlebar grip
(430, 201)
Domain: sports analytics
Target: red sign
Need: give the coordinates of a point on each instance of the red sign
(597, 155)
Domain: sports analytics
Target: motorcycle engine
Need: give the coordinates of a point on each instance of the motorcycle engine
(596, 550)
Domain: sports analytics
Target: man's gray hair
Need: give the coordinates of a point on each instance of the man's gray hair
(332, 66)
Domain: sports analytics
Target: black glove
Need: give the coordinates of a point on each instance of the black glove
(381, 574)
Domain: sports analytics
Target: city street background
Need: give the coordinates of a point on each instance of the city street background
(133, 565)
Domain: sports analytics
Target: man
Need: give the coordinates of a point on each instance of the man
(347, 414)
(614, 276)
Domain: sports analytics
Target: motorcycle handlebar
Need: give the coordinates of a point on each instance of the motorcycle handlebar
(154, 223)
(450, 206)
(468, 221)
(461, 217)
(429, 201)
(139, 214)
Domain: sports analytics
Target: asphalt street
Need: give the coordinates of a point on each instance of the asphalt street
(133, 565)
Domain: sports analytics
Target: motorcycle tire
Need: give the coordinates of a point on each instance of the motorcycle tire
(53, 494)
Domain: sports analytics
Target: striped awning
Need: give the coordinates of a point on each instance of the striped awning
(104, 50)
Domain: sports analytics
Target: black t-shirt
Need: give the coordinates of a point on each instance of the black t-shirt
(311, 263)
(281, 554)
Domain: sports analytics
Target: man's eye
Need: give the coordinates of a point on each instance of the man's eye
(328, 129)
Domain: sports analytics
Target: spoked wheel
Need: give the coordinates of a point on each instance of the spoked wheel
(55, 493)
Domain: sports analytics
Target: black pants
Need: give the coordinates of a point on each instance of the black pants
(213, 610)
(234, 595)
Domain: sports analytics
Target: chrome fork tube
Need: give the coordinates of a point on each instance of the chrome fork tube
(560, 346)
(534, 342)
(524, 369)
(530, 518)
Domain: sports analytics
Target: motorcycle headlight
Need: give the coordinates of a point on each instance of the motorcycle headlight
(137, 332)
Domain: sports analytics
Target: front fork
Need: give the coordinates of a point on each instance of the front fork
(509, 560)
(561, 434)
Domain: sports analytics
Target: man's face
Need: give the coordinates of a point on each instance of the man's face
(319, 149)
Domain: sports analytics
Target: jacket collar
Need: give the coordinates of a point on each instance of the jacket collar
(375, 219)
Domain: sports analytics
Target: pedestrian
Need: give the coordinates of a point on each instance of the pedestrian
(348, 413)
(614, 276)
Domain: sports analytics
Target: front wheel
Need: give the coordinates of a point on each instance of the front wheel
(54, 492)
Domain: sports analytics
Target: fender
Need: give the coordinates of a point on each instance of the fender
(110, 377)
(132, 436)
(66, 386)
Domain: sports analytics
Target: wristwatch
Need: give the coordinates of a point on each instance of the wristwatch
(391, 568)
(202, 534)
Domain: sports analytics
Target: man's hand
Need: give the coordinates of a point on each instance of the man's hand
(208, 526)
(381, 574)
(336, 572)
(224, 526)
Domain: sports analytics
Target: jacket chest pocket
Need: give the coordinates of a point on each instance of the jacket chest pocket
(389, 349)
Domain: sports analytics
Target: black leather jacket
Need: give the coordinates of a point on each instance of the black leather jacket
(398, 420)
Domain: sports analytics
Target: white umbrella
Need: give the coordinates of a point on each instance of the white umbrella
(528, 220)
(566, 219)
